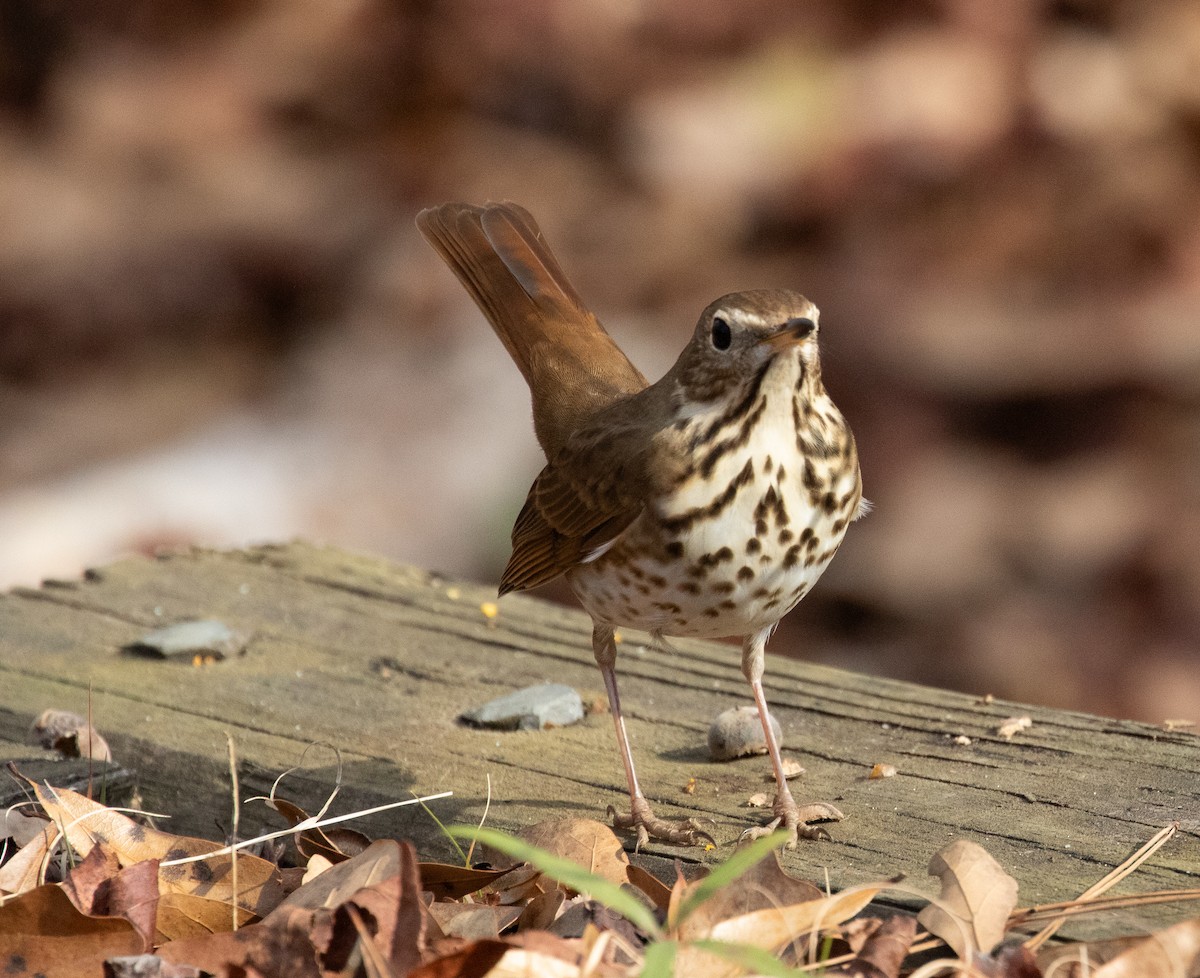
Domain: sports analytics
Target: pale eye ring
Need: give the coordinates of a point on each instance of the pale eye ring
(722, 335)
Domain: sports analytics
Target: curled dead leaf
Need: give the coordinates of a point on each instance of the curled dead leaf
(71, 735)
(972, 911)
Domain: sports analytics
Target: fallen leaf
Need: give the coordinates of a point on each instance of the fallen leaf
(962, 740)
(885, 949)
(764, 885)
(1172, 725)
(1171, 953)
(882, 771)
(447, 882)
(71, 735)
(21, 829)
(24, 871)
(658, 891)
(336, 844)
(771, 929)
(760, 799)
(381, 860)
(1014, 725)
(182, 915)
(87, 823)
(791, 769)
(43, 932)
(977, 897)
(585, 841)
(473, 921)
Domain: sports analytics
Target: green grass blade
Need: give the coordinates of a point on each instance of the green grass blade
(728, 871)
(659, 961)
(569, 873)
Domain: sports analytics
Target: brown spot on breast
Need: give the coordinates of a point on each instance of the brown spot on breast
(689, 587)
(712, 613)
(839, 525)
(810, 476)
(761, 529)
(658, 580)
(674, 549)
(724, 587)
(792, 557)
(745, 573)
(728, 605)
(753, 546)
(785, 536)
(668, 606)
(781, 475)
(829, 502)
(711, 560)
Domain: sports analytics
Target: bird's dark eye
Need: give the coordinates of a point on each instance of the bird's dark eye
(801, 326)
(722, 336)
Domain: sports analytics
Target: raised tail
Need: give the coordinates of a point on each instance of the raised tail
(571, 364)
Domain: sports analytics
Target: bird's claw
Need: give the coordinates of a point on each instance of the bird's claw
(680, 832)
(794, 821)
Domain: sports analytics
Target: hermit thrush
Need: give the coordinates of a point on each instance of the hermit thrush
(705, 504)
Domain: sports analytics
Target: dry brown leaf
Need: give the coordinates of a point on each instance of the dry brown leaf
(42, 932)
(99, 887)
(473, 921)
(976, 899)
(765, 885)
(882, 771)
(182, 915)
(771, 928)
(20, 829)
(885, 948)
(289, 940)
(86, 823)
(585, 841)
(658, 891)
(1171, 953)
(381, 860)
(24, 871)
(457, 960)
(541, 912)
(336, 844)
(71, 735)
(447, 882)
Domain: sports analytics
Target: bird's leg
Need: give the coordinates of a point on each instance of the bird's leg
(649, 826)
(788, 815)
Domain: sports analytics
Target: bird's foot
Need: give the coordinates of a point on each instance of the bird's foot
(680, 832)
(793, 819)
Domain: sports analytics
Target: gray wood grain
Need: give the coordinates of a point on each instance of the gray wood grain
(378, 660)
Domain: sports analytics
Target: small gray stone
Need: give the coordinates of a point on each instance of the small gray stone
(532, 708)
(738, 732)
(187, 640)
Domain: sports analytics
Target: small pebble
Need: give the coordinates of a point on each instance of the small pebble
(193, 641)
(532, 708)
(738, 732)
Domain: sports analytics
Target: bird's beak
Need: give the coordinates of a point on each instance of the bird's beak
(792, 333)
